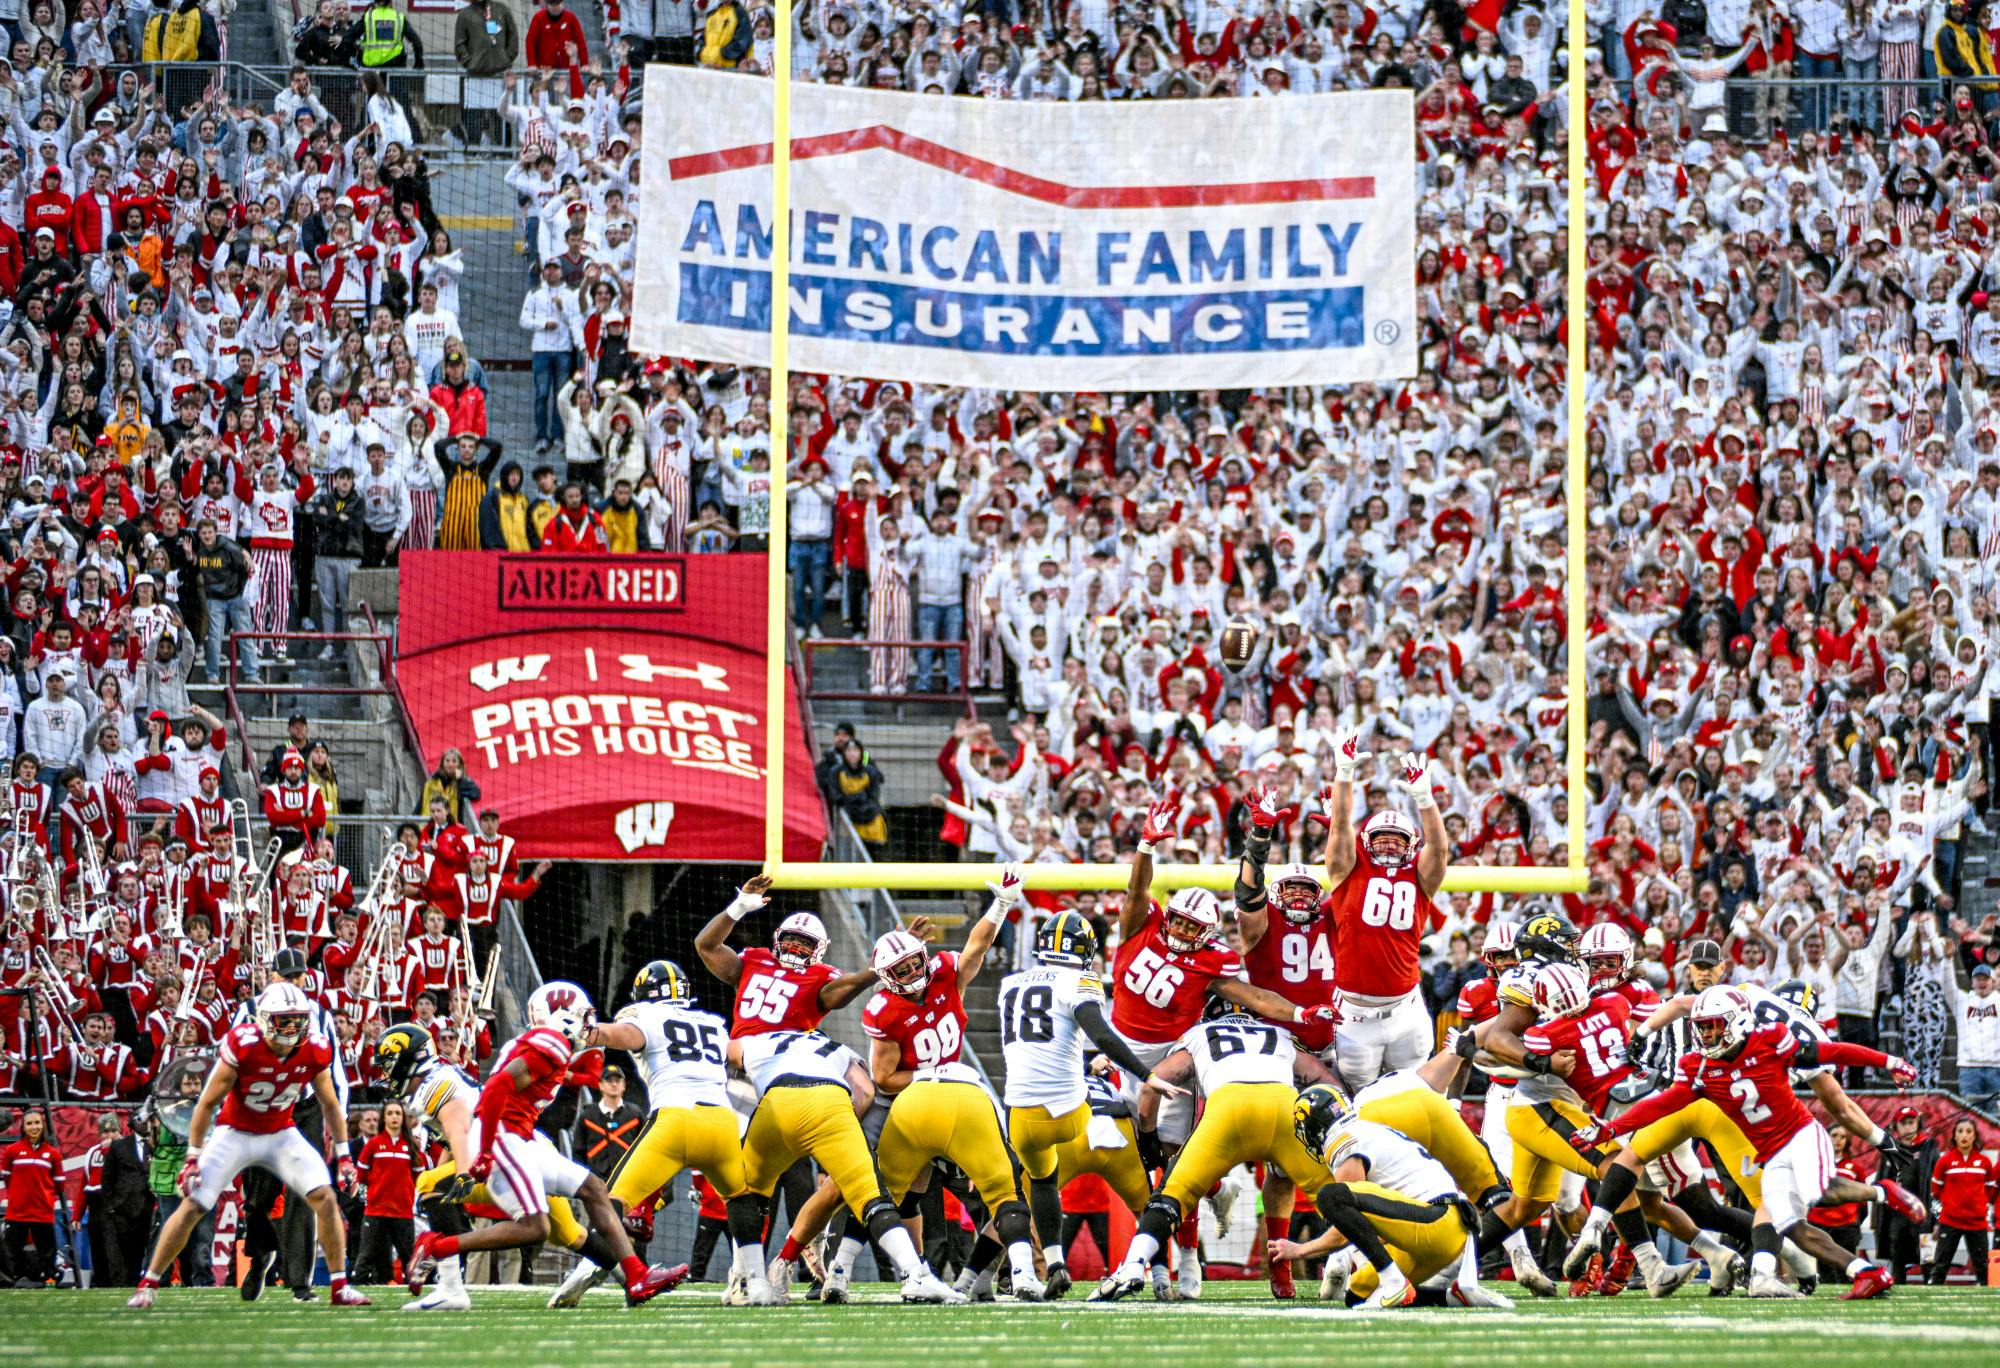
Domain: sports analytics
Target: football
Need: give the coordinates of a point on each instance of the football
(1239, 643)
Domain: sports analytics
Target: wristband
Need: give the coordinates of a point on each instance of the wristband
(1146, 849)
(1535, 1063)
(997, 913)
(1425, 798)
(739, 908)
(340, 1149)
(1343, 770)
(1298, 1015)
(1878, 1137)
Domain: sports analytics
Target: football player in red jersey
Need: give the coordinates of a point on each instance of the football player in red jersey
(1293, 957)
(789, 987)
(1168, 962)
(1607, 957)
(1383, 882)
(260, 1071)
(519, 1165)
(1745, 1071)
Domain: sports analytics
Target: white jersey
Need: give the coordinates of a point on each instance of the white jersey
(1239, 1049)
(436, 1086)
(1394, 1160)
(1039, 1037)
(1771, 1010)
(683, 1055)
(795, 1054)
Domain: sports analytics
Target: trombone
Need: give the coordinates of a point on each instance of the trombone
(63, 1002)
(489, 983)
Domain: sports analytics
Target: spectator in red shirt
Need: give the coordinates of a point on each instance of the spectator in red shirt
(388, 1167)
(1962, 1187)
(1842, 1223)
(555, 38)
(31, 1167)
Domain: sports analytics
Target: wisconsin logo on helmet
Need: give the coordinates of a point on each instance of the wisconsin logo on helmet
(1066, 938)
(660, 981)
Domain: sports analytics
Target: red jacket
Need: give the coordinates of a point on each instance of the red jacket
(47, 209)
(1962, 1185)
(32, 1173)
(556, 43)
(465, 409)
(388, 1166)
(568, 533)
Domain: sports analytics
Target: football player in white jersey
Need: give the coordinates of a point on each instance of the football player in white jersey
(680, 1049)
(1393, 1203)
(811, 1090)
(1249, 1071)
(409, 1068)
(1046, 1014)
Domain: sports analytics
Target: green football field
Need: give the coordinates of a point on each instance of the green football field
(1232, 1323)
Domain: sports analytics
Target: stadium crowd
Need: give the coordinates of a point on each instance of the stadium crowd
(234, 371)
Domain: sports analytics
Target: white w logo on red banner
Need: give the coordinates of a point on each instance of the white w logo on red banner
(497, 674)
(644, 824)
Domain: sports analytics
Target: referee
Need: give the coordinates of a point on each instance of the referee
(290, 1241)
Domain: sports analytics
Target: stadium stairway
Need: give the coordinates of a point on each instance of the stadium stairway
(254, 34)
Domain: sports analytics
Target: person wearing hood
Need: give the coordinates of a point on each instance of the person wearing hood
(1964, 54)
(504, 521)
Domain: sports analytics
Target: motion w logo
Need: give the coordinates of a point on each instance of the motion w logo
(644, 824)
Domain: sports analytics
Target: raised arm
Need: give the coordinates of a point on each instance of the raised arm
(1253, 909)
(1434, 854)
(843, 990)
(1338, 799)
(712, 941)
(1160, 818)
(979, 940)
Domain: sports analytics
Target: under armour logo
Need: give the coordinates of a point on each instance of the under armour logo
(642, 670)
(643, 824)
(507, 670)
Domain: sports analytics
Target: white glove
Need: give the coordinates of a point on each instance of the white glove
(1416, 780)
(744, 903)
(1006, 893)
(1348, 755)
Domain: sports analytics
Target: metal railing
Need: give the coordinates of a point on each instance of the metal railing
(961, 694)
(1753, 105)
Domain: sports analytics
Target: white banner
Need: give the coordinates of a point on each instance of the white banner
(1169, 244)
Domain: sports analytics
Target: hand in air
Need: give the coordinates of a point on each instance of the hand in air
(1160, 819)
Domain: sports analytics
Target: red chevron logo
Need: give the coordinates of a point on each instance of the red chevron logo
(1019, 182)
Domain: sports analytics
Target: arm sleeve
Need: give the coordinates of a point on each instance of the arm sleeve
(1659, 1105)
(1090, 1016)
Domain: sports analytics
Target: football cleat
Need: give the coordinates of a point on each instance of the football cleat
(779, 1275)
(344, 1295)
(1163, 1286)
(255, 1272)
(735, 1292)
(1618, 1273)
(1727, 1274)
(1188, 1285)
(1584, 1283)
(1282, 1285)
(1222, 1205)
(1904, 1203)
(1809, 1284)
(982, 1288)
(834, 1291)
(441, 1299)
(759, 1292)
(580, 1280)
(1529, 1276)
(1578, 1259)
(1766, 1285)
(1478, 1296)
(1030, 1289)
(1873, 1281)
(653, 1282)
(1671, 1278)
(1059, 1282)
(1335, 1276)
(925, 1286)
(143, 1298)
(422, 1263)
(1119, 1284)
(1392, 1291)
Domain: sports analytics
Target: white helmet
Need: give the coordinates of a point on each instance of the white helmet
(560, 996)
(1297, 892)
(1606, 949)
(1195, 908)
(1720, 1020)
(572, 1025)
(1500, 941)
(807, 941)
(1561, 990)
(1391, 839)
(284, 1015)
(903, 963)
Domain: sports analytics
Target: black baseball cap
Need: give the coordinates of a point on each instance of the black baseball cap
(288, 963)
(1705, 952)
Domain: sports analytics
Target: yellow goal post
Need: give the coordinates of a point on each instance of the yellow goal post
(1570, 877)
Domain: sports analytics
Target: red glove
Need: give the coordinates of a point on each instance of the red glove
(1265, 812)
(1587, 1138)
(1318, 1014)
(190, 1174)
(1902, 1070)
(1160, 819)
(482, 1167)
(346, 1174)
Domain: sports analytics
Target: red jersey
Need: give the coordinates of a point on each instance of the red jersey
(1160, 991)
(774, 997)
(1753, 1089)
(1479, 1000)
(546, 1054)
(388, 1167)
(32, 1173)
(1640, 995)
(268, 1084)
(1964, 1185)
(929, 1029)
(1847, 1213)
(1296, 963)
(1379, 916)
(1598, 1035)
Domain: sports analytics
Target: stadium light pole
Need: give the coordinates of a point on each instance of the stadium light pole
(1570, 877)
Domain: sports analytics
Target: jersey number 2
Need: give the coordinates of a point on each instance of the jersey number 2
(1744, 1090)
(266, 1096)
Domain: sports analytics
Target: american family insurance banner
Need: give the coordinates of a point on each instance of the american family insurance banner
(611, 707)
(1042, 245)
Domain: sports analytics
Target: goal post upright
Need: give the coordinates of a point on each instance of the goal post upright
(1570, 877)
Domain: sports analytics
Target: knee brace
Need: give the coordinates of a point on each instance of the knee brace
(1012, 1222)
(881, 1217)
(1496, 1196)
(1161, 1216)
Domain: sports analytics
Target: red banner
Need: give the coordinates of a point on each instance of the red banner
(610, 707)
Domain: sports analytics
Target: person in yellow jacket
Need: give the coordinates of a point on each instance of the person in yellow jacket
(505, 523)
(183, 33)
(1964, 56)
(128, 428)
(624, 521)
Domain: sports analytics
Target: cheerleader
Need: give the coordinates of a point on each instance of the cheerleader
(888, 606)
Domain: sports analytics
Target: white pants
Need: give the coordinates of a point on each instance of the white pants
(1798, 1175)
(286, 1153)
(1376, 1035)
(525, 1172)
(1493, 1127)
(1674, 1172)
(1176, 1120)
